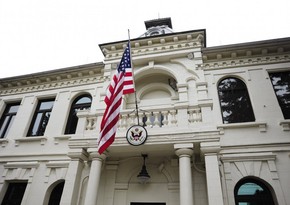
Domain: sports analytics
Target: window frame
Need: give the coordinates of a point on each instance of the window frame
(244, 91)
(252, 198)
(72, 119)
(37, 111)
(10, 115)
(284, 109)
(56, 193)
(10, 191)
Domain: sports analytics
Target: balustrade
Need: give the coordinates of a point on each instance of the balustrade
(150, 118)
(194, 115)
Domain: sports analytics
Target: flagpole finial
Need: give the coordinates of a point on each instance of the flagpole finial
(129, 34)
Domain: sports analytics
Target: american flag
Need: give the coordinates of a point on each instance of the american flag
(122, 83)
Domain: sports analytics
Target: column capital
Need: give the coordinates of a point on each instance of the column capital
(210, 147)
(78, 154)
(184, 149)
(95, 155)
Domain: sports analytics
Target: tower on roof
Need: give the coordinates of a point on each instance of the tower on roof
(158, 27)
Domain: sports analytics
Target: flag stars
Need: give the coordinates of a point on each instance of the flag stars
(125, 62)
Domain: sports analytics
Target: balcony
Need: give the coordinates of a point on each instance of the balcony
(155, 119)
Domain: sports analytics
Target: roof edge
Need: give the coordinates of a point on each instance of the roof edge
(236, 46)
(51, 72)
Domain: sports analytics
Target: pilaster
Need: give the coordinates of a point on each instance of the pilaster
(213, 179)
(73, 176)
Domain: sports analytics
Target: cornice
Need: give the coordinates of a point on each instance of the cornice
(255, 53)
(79, 75)
(241, 62)
(156, 44)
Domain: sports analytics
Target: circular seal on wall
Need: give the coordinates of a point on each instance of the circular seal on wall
(136, 135)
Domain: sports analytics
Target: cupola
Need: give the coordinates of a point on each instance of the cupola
(158, 27)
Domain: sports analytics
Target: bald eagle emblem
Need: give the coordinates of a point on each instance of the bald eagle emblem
(136, 135)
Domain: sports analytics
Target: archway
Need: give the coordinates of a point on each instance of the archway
(56, 193)
(253, 191)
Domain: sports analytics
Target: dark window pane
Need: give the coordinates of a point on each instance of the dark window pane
(8, 118)
(251, 191)
(235, 101)
(4, 126)
(41, 118)
(80, 103)
(56, 194)
(10, 123)
(36, 124)
(44, 123)
(14, 194)
(281, 85)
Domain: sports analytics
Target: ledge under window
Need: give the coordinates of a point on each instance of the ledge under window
(41, 139)
(261, 125)
(62, 137)
(4, 142)
(22, 165)
(285, 125)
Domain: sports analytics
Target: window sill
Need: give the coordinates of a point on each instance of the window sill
(285, 124)
(4, 142)
(41, 139)
(62, 137)
(22, 165)
(261, 125)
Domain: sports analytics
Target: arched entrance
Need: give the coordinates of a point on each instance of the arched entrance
(254, 192)
(56, 194)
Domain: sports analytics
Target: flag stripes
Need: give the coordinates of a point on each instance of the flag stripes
(128, 82)
(122, 83)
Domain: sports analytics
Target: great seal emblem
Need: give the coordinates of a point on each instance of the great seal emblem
(136, 135)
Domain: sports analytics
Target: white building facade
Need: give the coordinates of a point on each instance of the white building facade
(217, 120)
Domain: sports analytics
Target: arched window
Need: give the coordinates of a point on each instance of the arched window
(56, 193)
(281, 85)
(80, 103)
(252, 191)
(235, 101)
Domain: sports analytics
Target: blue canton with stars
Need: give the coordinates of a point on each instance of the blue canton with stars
(126, 60)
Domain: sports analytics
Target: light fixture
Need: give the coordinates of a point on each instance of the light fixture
(143, 176)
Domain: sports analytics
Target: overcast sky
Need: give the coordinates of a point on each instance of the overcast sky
(40, 35)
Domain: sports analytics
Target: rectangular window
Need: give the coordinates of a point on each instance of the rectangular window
(8, 118)
(281, 85)
(14, 193)
(41, 117)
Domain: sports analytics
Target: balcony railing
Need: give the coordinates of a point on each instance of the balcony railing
(151, 119)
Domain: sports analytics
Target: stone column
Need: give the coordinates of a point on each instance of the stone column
(94, 177)
(184, 152)
(213, 179)
(73, 177)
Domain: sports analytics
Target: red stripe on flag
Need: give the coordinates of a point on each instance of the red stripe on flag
(122, 83)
